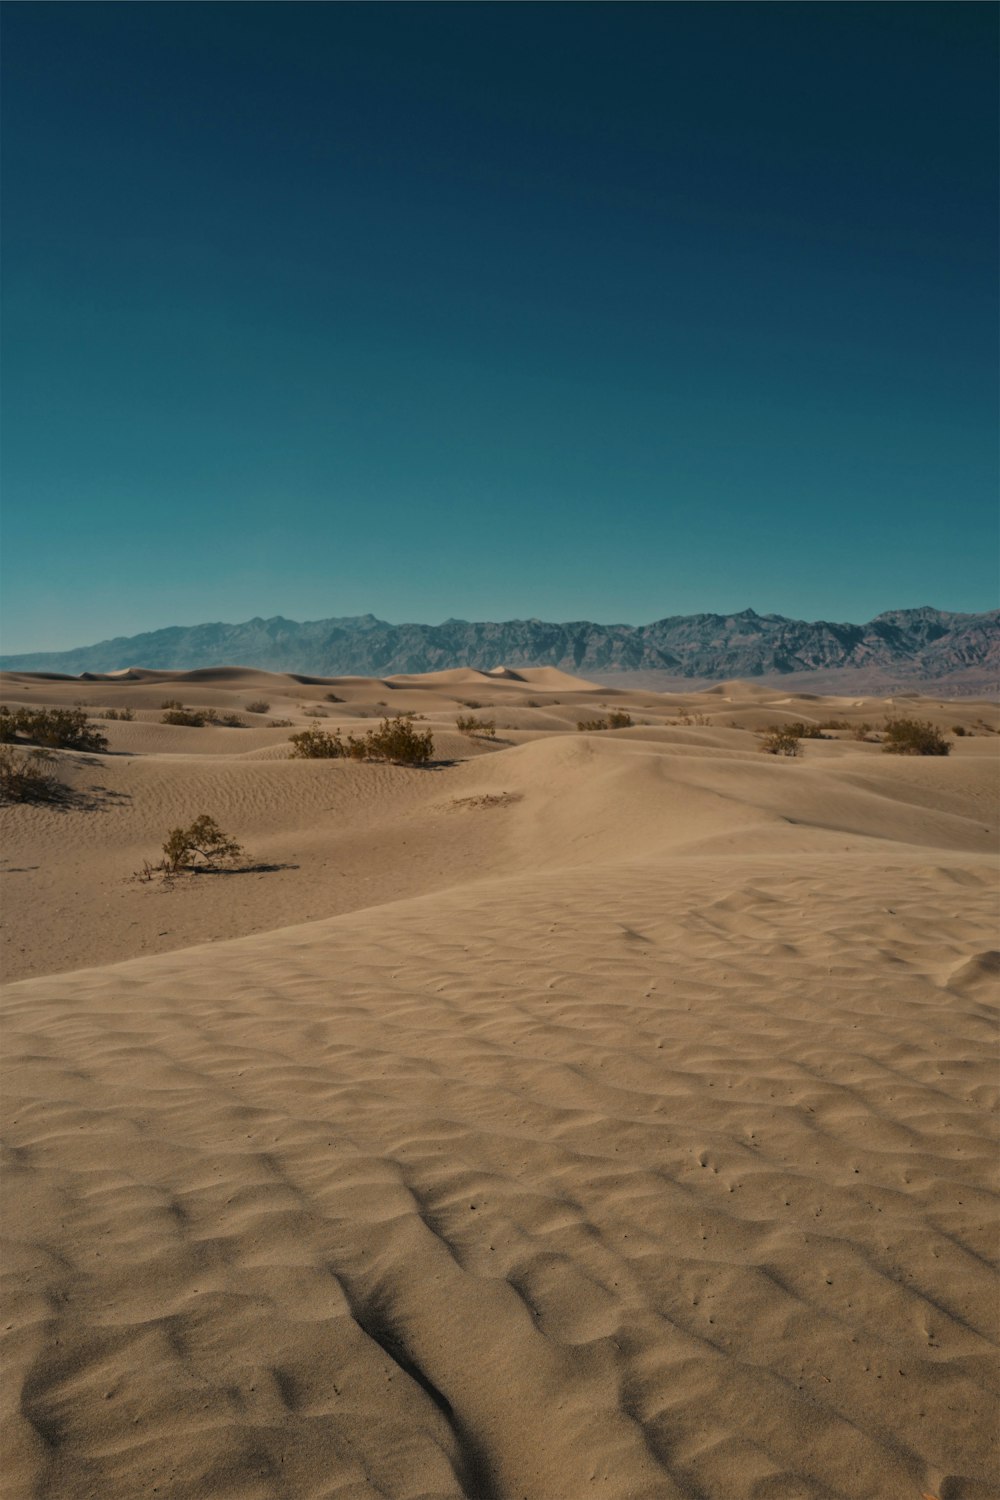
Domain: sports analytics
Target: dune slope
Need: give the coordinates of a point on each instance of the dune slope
(633, 1140)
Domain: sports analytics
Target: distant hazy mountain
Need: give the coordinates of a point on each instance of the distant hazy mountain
(919, 644)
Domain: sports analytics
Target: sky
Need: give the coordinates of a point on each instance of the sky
(487, 311)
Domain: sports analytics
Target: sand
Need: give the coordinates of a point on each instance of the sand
(586, 1115)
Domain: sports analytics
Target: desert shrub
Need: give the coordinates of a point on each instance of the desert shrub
(960, 730)
(332, 698)
(902, 736)
(533, 703)
(193, 718)
(779, 740)
(470, 703)
(202, 845)
(315, 713)
(316, 744)
(230, 721)
(483, 728)
(803, 731)
(861, 731)
(397, 740)
(59, 728)
(834, 724)
(258, 706)
(586, 725)
(24, 778)
(280, 723)
(128, 714)
(619, 719)
(171, 703)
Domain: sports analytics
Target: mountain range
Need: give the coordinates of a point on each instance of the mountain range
(895, 648)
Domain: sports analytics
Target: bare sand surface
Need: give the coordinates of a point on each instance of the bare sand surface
(601, 1114)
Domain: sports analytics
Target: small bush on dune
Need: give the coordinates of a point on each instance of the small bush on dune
(902, 736)
(483, 728)
(959, 730)
(171, 703)
(332, 698)
(58, 728)
(861, 732)
(258, 706)
(315, 713)
(779, 740)
(192, 718)
(128, 714)
(232, 721)
(834, 724)
(803, 731)
(280, 723)
(24, 778)
(202, 846)
(619, 719)
(585, 726)
(316, 744)
(395, 740)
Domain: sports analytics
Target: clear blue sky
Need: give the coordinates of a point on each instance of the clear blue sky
(604, 311)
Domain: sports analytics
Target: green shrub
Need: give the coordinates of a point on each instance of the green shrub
(258, 706)
(779, 740)
(202, 845)
(483, 728)
(59, 728)
(902, 736)
(23, 777)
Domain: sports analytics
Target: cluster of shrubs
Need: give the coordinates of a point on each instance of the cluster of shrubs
(395, 740)
(616, 719)
(58, 728)
(197, 718)
(258, 706)
(128, 714)
(483, 728)
(899, 736)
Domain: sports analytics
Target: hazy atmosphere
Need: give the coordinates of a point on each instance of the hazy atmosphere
(581, 312)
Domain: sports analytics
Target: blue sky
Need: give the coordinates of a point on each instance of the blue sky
(600, 311)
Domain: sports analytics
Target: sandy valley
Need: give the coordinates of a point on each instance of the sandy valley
(599, 1114)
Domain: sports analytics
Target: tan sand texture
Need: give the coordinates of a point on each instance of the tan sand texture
(590, 1115)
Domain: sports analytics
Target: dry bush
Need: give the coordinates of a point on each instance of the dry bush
(229, 721)
(804, 731)
(332, 698)
(258, 706)
(959, 730)
(586, 725)
(861, 732)
(128, 714)
(395, 740)
(316, 744)
(903, 736)
(192, 718)
(23, 777)
(202, 846)
(481, 728)
(280, 723)
(619, 719)
(834, 724)
(779, 740)
(171, 703)
(58, 728)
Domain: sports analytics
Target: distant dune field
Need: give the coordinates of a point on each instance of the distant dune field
(598, 1114)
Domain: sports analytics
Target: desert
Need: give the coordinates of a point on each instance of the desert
(586, 1112)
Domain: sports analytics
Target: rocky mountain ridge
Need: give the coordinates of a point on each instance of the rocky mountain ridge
(920, 644)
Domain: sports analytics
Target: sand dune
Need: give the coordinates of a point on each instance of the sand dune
(589, 1114)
